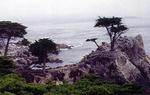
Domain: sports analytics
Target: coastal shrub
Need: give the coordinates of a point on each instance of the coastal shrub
(36, 89)
(13, 84)
(7, 93)
(91, 85)
(65, 89)
(6, 66)
(50, 85)
(24, 93)
(49, 93)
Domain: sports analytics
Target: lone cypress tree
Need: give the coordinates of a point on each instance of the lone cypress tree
(41, 48)
(114, 28)
(10, 30)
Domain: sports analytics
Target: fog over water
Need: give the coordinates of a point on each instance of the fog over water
(71, 21)
(58, 9)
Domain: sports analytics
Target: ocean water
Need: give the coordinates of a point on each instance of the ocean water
(75, 34)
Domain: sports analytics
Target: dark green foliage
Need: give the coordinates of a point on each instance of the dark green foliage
(10, 30)
(41, 48)
(12, 83)
(7, 93)
(114, 28)
(36, 89)
(90, 85)
(107, 22)
(13, 29)
(6, 66)
(25, 42)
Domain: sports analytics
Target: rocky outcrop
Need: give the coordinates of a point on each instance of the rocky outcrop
(53, 58)
(134, 50)
(21, 55)
(63, 46)
(128, 63)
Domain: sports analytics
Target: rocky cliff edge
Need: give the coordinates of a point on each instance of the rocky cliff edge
(128, 63)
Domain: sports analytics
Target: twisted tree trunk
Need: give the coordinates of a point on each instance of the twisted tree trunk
(113, 42)
(7, 45)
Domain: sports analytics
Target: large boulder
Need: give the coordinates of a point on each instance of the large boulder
(134, 50)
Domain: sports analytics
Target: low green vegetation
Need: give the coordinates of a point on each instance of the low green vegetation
(12, 84)
(6, 66)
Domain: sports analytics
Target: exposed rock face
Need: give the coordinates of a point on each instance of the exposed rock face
(129, 63)
(134, 50)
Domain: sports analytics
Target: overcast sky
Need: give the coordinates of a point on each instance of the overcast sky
(72, 8)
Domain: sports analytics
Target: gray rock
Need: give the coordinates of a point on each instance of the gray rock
(63, 46)
(20, 54)
(53, 58)
(128, 63)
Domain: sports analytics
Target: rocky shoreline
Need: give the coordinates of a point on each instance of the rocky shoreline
(128, 64)
(23, 58)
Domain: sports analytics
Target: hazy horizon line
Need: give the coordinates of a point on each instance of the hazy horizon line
(60, 19)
